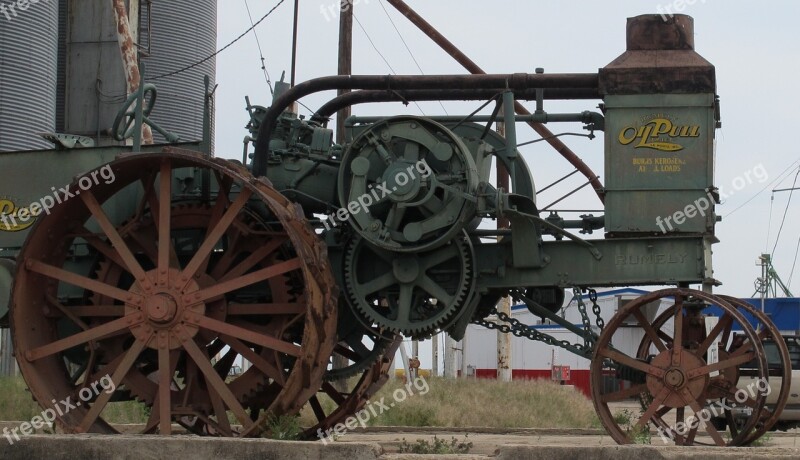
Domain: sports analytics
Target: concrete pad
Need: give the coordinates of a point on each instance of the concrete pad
(123, 447)
(641, 452)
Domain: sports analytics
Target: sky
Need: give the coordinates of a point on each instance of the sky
(754, 47)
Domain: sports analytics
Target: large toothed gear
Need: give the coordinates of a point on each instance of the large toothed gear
(413, 294)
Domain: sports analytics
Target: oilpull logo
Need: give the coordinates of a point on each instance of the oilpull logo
(658, 133)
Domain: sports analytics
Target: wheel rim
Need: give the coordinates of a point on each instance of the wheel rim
(678, 376)
(172, 314)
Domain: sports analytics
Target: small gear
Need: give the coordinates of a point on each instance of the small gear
(413, 294)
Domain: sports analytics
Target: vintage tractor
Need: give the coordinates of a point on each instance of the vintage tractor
(177, 265)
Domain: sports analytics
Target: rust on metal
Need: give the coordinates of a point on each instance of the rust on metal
(130, 60)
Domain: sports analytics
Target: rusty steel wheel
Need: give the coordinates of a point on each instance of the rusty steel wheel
(671, 371)
(724, 386)
(126, 282)
(780, 370)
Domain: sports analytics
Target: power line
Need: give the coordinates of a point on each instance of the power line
(380, 54)
(221, 49)
(402, 39)
(780, 178)
(785, 212)
(261, 53)
(794, 264)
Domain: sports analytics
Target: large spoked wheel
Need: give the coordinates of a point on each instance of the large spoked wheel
(157, 287)
(742, 381)
(780, 372)
(671, 371)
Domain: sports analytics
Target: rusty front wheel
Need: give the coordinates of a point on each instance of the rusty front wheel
(144, 279)
(673, 372)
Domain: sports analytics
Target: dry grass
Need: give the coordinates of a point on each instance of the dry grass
(483, 403)
(448, 403)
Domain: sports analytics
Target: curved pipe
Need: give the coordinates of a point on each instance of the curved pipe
(372, 96)
(515, 82)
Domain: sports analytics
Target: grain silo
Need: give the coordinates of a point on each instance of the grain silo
(28, 60)
(182, 33)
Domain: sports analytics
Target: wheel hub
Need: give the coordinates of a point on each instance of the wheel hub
(406, 269)
(161, 308)
(675, 377)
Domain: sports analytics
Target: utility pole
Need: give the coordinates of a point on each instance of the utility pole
(504, 372)
(435, 355)
(345, 61)
(294, 41)
(450, 358)
(345, 68)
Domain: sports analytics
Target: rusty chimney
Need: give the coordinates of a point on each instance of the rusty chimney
(660, 58)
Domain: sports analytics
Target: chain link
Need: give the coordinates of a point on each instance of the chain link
(601, 323)
(588, 337)
(519, 329)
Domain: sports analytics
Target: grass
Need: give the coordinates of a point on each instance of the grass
(449, 403)
(436, 447)
(17, 404)
(488, 403)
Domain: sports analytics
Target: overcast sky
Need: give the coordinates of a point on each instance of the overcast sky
(754, 47)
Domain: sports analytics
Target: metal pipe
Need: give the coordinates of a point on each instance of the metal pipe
(371, 96)
(472, 67)
(294, 40)
(405, 82)
(583, 117)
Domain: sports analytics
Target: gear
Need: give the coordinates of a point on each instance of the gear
(413, 294)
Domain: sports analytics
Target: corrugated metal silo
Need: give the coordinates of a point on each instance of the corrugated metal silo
(183, 32)
(28, 59)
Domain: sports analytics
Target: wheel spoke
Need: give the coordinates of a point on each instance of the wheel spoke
(677, 341)
(258, 362)
(230, 285)
(648, 329)
(707, 425)
(631, 362)
(624, 394)
(378, 284)
(730, 362)
(133, 266)
(267, 308)
(654, 406)
(215, 235)
(164, 385)
(223, 272)
(119, 374)
(722, 325)
(435, 290)
(247, 335)
(217, 383)
(164, 223)
(404, 302)
(335, 395)
(441, 256)
(316, 407)
(74, 279)
(78, 339)
(96, 310)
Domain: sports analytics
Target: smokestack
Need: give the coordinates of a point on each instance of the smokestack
(660, 59)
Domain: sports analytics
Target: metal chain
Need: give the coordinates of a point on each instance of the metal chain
(601, 323)
(520, 329)
(588, 338)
